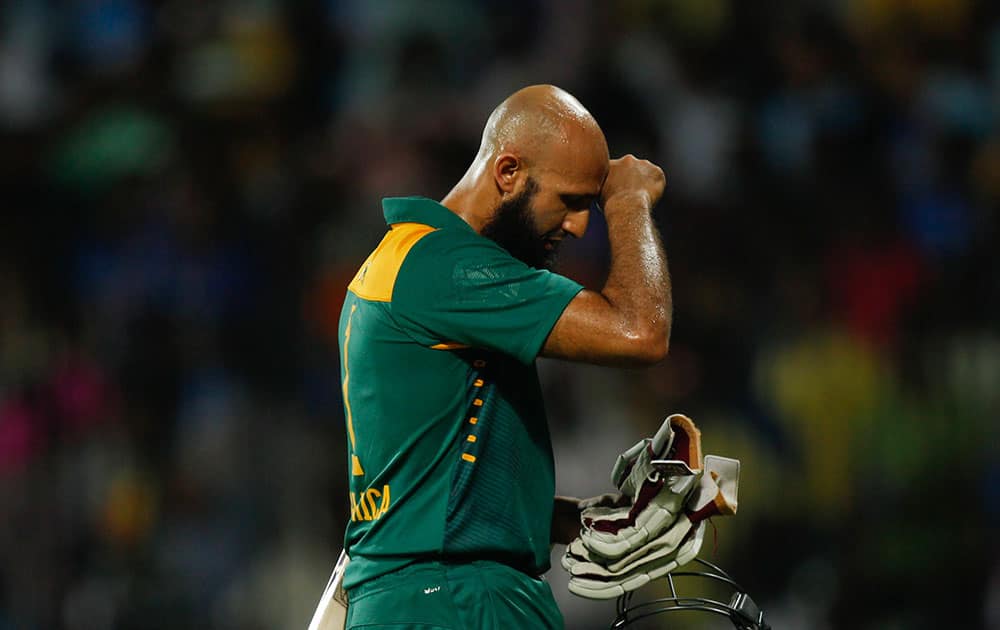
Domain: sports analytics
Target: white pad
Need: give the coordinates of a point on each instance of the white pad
(584, 562)
(725, 471)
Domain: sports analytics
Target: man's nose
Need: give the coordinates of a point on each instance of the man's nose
(576, 222)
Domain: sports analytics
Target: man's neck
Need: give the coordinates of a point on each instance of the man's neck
(472, 198)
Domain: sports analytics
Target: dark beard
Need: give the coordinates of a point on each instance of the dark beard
(513, 229)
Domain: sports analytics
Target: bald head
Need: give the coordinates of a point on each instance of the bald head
(541, 165)
(543, 125)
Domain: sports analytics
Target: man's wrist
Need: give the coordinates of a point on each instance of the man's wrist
(567, 502)
(565, 520)
(627, 201)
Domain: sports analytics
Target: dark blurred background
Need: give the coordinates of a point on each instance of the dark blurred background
(187, 187)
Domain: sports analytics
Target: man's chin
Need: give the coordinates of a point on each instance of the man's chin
(536, 257)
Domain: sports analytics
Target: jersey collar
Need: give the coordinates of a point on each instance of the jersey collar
(420, 210)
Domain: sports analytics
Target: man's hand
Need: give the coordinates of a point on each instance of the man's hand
(566, 514)
(633, 182)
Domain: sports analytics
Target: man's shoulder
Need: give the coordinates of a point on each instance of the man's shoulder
(448, 246)
(444, 262)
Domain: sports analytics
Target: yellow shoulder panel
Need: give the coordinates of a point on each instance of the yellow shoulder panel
(377, 277)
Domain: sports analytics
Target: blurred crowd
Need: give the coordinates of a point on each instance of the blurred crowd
(188, 186)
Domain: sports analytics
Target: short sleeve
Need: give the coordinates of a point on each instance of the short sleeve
(458, 287)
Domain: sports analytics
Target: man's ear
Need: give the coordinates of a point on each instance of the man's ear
(506, 169)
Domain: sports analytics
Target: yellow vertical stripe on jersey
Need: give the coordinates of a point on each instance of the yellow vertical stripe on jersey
(356, 468)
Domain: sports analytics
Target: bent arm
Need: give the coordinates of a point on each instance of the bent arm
(628, 322)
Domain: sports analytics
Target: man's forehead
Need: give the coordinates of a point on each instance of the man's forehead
(575, 178)
(577, 161)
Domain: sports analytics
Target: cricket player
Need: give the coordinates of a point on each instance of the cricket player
(452, 489)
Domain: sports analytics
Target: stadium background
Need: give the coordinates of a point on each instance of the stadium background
(187, 187)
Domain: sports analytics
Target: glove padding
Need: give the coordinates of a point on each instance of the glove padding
(590, 578)
(671, 490)
(614, 532)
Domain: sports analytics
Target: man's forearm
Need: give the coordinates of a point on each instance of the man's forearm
(638, 282)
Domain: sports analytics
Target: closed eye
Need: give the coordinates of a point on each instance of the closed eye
(578, 202)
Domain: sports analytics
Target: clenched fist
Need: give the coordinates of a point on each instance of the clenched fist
(635, 180)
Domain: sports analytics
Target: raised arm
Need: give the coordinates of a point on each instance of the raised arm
(628, 321)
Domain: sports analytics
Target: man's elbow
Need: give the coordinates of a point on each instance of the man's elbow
(650, 348)
(657, 349)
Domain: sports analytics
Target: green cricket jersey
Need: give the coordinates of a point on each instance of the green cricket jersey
(449, 450)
